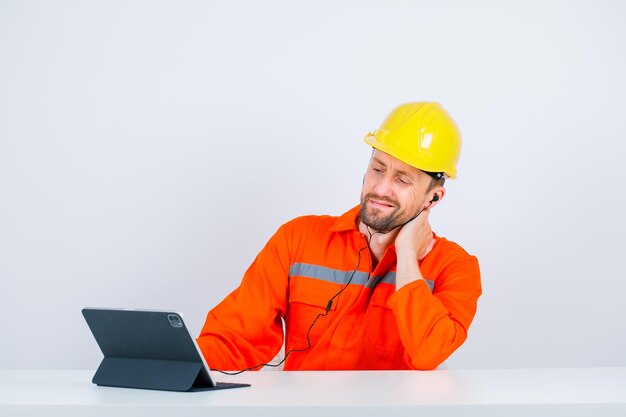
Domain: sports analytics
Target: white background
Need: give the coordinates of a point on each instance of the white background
(149, 149)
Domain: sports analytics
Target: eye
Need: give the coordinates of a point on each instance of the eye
(403, 181)
(377, 170)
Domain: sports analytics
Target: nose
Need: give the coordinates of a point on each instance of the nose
(384, 186)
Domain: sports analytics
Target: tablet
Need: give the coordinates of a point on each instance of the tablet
(150, 350)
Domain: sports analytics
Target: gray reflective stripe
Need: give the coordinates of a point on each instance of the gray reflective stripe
(328, 274)
(342, 277)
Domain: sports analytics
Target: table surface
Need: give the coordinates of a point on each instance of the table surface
(536, 392)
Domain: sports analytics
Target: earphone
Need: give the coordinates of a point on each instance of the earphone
(330, 301)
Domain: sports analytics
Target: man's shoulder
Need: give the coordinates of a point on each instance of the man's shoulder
(312, 221)
(449, 249)
(304, 229)
(449, 263)
(322, 224)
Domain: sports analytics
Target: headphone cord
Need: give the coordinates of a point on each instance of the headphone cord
(324, 314)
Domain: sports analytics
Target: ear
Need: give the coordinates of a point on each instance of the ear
(436, 195)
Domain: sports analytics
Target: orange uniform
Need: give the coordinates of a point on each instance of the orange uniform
(369, 326)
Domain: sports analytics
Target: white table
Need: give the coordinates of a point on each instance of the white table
(504, 392)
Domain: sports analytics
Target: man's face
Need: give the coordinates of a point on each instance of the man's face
(393, 192)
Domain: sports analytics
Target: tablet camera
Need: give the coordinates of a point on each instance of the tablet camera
(175, 320)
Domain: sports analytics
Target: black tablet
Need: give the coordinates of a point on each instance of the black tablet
(150, 350)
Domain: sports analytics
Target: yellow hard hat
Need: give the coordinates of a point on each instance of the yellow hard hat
(422, 135)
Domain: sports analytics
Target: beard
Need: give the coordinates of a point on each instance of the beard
(376, 220)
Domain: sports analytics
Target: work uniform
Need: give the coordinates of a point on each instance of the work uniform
(369, 325)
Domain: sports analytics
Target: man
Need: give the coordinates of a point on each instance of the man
(374, 288)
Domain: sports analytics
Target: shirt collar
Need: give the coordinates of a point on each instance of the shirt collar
(347, 221)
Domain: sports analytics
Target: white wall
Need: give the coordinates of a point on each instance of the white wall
(149, 149)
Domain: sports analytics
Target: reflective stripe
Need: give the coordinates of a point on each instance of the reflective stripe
(342, 277)
(327, 274)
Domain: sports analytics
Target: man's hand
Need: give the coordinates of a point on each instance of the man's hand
(416, 237)
(414, 241)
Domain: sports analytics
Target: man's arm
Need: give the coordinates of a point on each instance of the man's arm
(245, 329)
(432, 325)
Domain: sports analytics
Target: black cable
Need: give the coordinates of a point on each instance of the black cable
(324, 314)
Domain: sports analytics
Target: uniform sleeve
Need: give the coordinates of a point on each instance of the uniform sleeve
(433, 325)
(246, 329)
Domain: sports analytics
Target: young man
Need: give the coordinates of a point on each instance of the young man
(374, 288)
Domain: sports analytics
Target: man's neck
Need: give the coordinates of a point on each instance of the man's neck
(378, 242)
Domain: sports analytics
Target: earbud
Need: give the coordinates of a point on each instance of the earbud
(435, 198)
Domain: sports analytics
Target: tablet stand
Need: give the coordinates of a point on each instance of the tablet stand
(156, 374)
